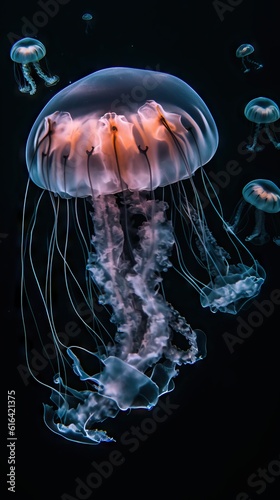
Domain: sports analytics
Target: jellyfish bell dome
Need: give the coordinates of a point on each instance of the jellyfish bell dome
(262, 110)
(263, 194)
(27, 50)
(244, 50)
(87, 17)
(120, 128)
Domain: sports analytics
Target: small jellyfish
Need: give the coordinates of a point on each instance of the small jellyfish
(88, 19)
(27, 53)
(263, 196)
(243, 52)
(262, 111)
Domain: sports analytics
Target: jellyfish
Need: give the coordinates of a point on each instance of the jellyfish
(88, 19)
(243, 52)
(111, 154)
(263, 112)
(262, 196)
(27, 53)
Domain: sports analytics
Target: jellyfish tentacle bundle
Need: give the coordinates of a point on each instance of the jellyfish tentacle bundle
(145, 131)
(144, 321)
(230, 285)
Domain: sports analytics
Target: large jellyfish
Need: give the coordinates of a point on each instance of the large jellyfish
(27, 53)
(262, 196)
(121, 141)
(264, 112)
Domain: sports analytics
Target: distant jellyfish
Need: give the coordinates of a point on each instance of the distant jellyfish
(88, 19)
(243, 52)
(263, 196)
(27, 53)
(263, 112)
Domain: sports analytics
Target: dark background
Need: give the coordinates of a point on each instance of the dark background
(225, 425)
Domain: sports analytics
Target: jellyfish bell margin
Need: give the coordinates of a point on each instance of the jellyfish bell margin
(145, 130)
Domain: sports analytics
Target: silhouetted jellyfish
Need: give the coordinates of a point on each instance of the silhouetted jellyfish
(263, 196)
(88, 19)
(263, 112)
(27, 53)
(243, 52)
(112, 140)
